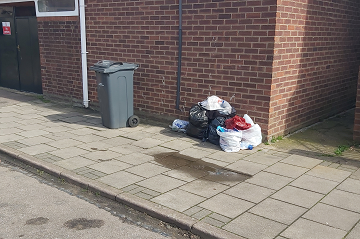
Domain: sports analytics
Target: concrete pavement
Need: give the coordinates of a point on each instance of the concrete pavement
(262, 193)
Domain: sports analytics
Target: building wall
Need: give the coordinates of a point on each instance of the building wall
(357, 114)
(285, 63)
(315, 62)
(59, 41)
(227, 51)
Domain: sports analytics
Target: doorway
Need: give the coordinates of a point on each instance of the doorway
(19, 50)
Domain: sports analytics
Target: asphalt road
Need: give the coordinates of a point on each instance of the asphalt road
(35, 205)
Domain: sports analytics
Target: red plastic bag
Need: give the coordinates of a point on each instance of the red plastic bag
(237, 122)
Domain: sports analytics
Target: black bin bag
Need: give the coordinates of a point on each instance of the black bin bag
(198, 122)
(197, 117)
(193, 131)
(213, 137)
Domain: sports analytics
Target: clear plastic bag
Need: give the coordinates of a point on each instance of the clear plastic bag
(251, 136)
(229, 139)
(179, 125)
(215, 103)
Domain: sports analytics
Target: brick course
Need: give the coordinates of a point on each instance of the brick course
(285, 63)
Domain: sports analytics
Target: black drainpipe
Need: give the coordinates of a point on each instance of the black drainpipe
(179, 55)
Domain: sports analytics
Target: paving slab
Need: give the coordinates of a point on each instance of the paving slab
(109, 167)
(64, 143)
(108, 133)
(333, 216)
(356, 174)
(126, 149)
(254, 227)
(354, 233)
(214, 161)
(9, 131)
(137, 135)
(186, 173)
(350, 185)
(278, 211)
(329, 173)
(59, 135)
(314, 184)
(31, 127)
(10, 137)
(168, 136)
(298, 196)
(178, 200)
(32, 133)
(270, 180)
(286, 170)
(147, 170)
(307, 229)
(157, 150)
(302, 161)
(219, 217)
(153, 129)
(37, 149)
(5, 120)
(249, 192)
(9, 125)
(232, 208)
(101, 155)
(161, 183)
(68, 152)
(212, 221)
(135, 158)
(177, 144)
(342, 199)
(27, 116)
(204, 188)
(197, 153)
(246, 167)
(55, 129)
(88, 138)
(120, 179)
(94, 146)
(147, 143)
(74, 163)
(263, 158)
(226, 157)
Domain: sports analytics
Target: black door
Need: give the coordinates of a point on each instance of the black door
(9, 72)
(28, 54)
(19, 52)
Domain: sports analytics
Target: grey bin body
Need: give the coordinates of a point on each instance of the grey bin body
(115, 93)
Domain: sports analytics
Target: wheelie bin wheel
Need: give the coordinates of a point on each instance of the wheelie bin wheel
(134, 121)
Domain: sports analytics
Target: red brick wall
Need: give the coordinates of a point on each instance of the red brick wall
(315, 62)
(285, 63)
(59, 41)
(227, 51)
(357, 115)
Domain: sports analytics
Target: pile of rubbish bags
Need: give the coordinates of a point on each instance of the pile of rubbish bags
(214, 120)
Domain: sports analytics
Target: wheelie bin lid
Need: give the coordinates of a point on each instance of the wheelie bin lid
(107, 67)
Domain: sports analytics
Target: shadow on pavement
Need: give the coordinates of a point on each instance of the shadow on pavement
(323, 139)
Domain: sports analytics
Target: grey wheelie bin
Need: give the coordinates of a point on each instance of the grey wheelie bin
(115, 93)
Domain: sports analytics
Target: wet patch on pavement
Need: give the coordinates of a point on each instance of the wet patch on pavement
(37, 221)
(83, 223)
(211, 171)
